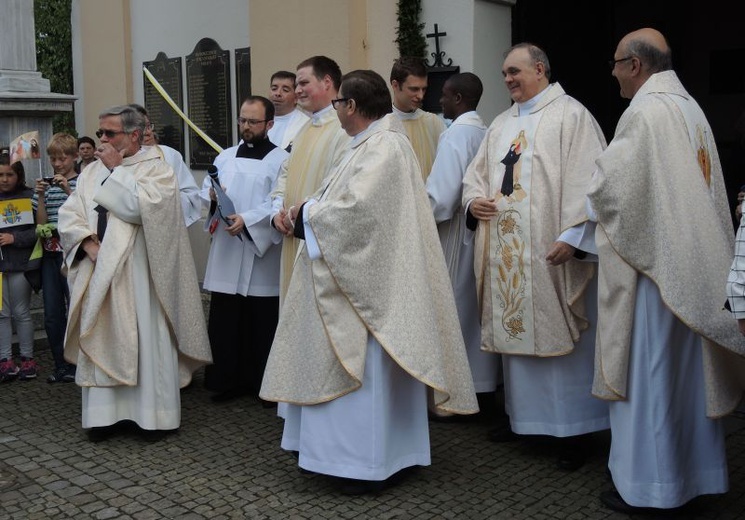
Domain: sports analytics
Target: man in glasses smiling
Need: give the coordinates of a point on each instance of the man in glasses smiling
(135, 325)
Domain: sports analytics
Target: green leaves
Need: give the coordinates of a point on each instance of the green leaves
(410, 39)
(54, 52)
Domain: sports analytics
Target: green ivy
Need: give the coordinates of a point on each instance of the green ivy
(54, 52)
(410, 38)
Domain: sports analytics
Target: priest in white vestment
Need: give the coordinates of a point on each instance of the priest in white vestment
(288, 118)
(524, 194)
(317, 147)
(409, 83)
(136, 326)
(456, 149)
(669, 356)
(370, 320)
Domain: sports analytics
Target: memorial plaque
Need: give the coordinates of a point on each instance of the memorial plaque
(242, 74)
(208, 94)
(169, 127)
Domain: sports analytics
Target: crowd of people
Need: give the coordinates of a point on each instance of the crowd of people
(373, 266)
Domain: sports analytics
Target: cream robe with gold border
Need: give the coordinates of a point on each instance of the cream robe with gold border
(674, 228)
(527, 306)
(668, 353)
(142, 292)
(318, 147)
(424, 130)
(382, 273)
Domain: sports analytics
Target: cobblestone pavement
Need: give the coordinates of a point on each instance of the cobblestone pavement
(225, 462)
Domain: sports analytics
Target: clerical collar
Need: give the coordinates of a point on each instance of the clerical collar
(524, 109)
(316, 117)
(405, 115)
(359, 137)
(255, 150)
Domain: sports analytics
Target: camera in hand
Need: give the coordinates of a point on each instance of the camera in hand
(49, 179)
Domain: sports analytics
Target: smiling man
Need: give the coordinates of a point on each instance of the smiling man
(288, 118)
(525, 197)
(317, 147)
(409, 84)
(136, 326)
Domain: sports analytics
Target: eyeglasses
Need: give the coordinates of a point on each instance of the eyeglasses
(612, 63)
(251, 122)
(339, 100)
(110, 134)
(150, 126)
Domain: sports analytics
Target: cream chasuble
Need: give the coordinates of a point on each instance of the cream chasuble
(317, 147)
(381, 273)
(638, 233)
(423, 129)
(537, 167)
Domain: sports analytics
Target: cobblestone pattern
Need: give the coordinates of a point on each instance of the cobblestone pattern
(226, 463)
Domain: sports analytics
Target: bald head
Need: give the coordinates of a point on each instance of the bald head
(650, 46)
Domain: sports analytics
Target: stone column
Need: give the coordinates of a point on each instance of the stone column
(26, 102)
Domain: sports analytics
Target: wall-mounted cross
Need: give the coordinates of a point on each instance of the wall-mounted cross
(437, 55)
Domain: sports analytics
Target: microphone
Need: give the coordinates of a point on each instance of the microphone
(212, 171)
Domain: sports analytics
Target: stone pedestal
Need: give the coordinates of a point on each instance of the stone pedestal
(26, 103)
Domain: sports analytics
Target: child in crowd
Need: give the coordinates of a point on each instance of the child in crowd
(48, 197)
(17, 240)
(86, 149)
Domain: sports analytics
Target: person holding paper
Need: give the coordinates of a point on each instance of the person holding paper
(244, 258)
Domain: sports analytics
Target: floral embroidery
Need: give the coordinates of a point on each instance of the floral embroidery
(511, 273)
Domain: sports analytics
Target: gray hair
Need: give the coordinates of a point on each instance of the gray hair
(536, 55)
(132, 119)
(656, 59)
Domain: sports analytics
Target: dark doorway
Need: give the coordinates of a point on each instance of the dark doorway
(708, 46)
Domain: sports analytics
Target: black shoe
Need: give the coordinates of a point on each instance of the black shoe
(570, 459)
(503, 434)
(155, 435)
(229, 395)
(355, 487)
(613, 500)
(451, 417)
(267, 405)
(572, 452)
(62, 375)
(101, 433)
(56, 377)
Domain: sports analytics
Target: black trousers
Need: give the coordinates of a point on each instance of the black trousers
(241, 330)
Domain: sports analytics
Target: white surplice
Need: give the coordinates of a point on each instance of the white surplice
(456, 148)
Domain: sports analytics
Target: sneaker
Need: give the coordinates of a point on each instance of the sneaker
(61, 375)
(69, 375)
(28, 370)
(8, 370)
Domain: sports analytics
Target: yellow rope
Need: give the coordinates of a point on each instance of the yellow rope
(170, 101)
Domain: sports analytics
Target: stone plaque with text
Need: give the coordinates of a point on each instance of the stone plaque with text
(209, 102)
(169, 127)
(242, 74)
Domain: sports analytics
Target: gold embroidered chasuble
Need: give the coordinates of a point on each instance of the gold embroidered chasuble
(423, 129)
(318, 146)
(381, 272)
(538, 168)
(662, 212)
(102, 324)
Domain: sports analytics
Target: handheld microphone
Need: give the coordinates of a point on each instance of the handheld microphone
(212, 171)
